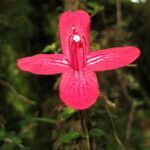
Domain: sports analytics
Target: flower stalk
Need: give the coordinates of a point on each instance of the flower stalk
(85, 129)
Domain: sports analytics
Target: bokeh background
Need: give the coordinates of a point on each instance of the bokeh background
(32, 117)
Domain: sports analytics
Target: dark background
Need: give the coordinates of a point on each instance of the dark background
(32, 116)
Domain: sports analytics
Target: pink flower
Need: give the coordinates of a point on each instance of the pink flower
(78, 86)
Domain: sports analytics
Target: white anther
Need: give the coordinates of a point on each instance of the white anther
(76, 38)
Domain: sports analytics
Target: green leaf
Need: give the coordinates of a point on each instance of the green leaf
(11, 142)
(68, 112)
(16, 140)
(67, 138)
(95, 8)
(7, 146)
(2, 133)
(97, 132)
(45, 120)
(50, 48)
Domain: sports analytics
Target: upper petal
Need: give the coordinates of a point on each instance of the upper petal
(44, 64)
(78, 21)
(79, 90)
(111, 58)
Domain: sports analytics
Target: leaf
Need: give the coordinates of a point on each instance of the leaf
(16, 140)
(45, 120)
(11, 143)
(97, 132)
(50, 48)
(67, 138)
(95, 8)
(2, 133)
(7, 146)
(68, 112)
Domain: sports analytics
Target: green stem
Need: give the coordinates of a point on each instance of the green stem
(85, 129)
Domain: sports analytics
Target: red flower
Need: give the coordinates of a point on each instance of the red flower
(78, 87)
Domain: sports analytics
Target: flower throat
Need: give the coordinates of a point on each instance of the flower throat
(77, 48)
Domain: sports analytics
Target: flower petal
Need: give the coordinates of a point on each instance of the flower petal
(44, 64)
(80, 21)
(79, 90)
(112, 58)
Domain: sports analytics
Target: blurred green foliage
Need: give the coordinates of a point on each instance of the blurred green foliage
(67, 138)
(32, 117)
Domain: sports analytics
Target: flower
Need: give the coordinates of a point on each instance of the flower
(78, 86)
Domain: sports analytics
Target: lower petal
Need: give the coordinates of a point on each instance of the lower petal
(79, 90)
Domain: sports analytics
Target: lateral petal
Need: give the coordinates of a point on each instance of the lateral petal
(78, 20)
(79, 90)
(111, 58)
(44, 64)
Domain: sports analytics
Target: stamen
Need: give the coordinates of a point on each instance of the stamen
(76, 38)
